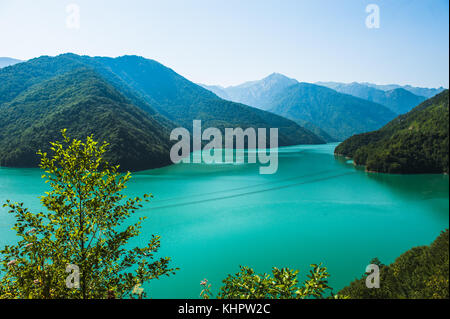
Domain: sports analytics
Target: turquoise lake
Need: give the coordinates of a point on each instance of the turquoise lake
(316, 208)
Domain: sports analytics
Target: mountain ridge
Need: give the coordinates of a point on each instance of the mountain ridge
(99, 109)
(145, 88)
(268, 93)
(340, 115)
(398, 100)
(6, 61)
(413, 143)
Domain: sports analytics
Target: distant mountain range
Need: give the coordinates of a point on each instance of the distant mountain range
(329, 114)
(416, 142)
(398, 100)
(427, 92)
(4, 62)
(363, 88)
(339, 115)
(130, 102)
(259, 94)
(334, 118)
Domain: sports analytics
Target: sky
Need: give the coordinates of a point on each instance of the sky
(228, 42)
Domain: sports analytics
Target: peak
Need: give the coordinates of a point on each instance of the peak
(399, 91)
(131, 57)
(278, 78)
(276, 75)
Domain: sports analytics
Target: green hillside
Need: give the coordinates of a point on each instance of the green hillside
(131, 102)
(420, 273)
(398, 100)
(85, 104)
(167, 97)
(182, 101)
(339, 115)
(416, 142)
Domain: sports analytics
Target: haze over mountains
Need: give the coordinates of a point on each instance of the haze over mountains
(4, 62)
(332, 115)
(340, 115)
(131, 102)
(255, 93)
(398, 100)
(427, 92)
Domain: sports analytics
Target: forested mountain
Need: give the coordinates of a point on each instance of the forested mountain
(400, 100)
(397, 100)
(218, 90)
(317, 130)
(340, 115)
(259, 93)
(420, 273)
(4, 62)
(85, 104)
(137, 90)
(183, 101)
(416, 142)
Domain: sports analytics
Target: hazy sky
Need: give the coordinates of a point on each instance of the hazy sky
(231, 41)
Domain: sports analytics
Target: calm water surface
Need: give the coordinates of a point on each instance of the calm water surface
(213, 218)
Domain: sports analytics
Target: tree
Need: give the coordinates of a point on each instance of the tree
(419, 273)
(83, 229)
(246, 284)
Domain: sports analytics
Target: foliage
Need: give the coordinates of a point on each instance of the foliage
(84, 225)
(85, 104)
(130, 101)
(283, 284)
(206, 291)
(416, 142)
(419, 273)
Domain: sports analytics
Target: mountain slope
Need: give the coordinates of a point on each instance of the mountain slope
(419, 91)
(217, 90)
(360, 89)
(85, 104)
(157, 96)
(416, 142)
(340, 115)
(255, 93)
(420, 273)
(397, 100)
(182, 101)
(4, 62)
(271, 93)
(316, 130)
(22, 76)
(400, 100)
